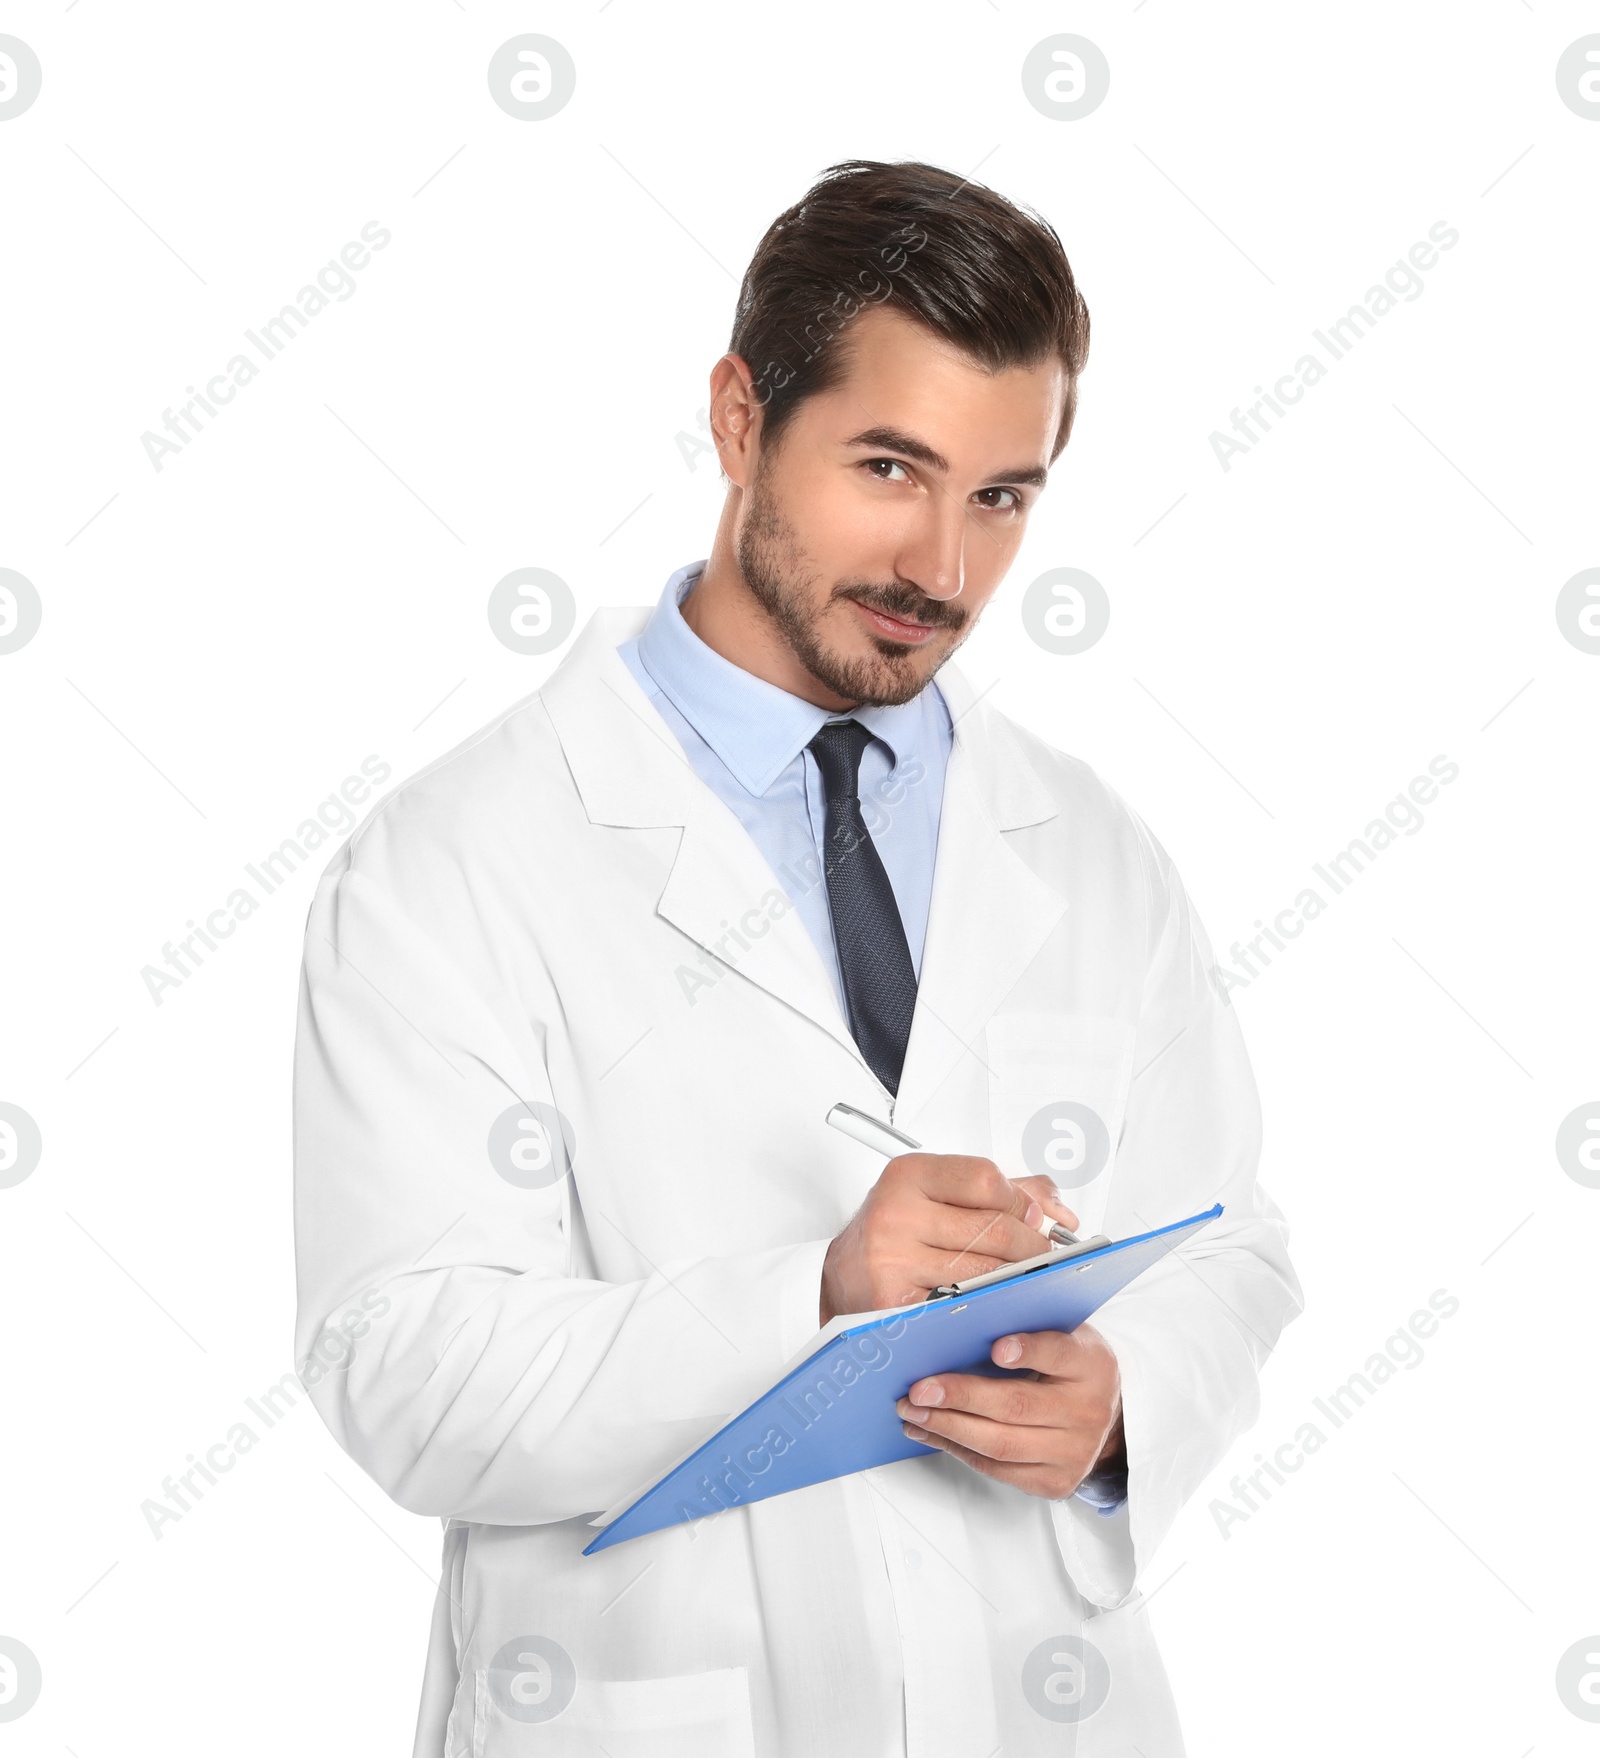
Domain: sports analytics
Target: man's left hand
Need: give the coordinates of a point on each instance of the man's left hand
(1043, 1429)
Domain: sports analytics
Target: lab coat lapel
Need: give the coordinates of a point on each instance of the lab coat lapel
(631, 772)
(990, 913)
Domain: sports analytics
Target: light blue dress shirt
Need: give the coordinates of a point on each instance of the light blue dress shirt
(746, 739)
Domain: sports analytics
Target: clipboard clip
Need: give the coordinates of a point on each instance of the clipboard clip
(1025, 1268)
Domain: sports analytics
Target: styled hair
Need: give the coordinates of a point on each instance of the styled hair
(990, 277)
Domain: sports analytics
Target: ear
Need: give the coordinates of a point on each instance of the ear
(736, 418)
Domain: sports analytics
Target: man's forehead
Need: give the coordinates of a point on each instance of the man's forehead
(903, 384)
(884, 338)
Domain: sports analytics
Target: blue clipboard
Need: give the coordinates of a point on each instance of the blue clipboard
(835, 1412)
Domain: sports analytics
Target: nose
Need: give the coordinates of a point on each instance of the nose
(937, 558)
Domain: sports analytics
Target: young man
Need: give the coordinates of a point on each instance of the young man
(577, 1000)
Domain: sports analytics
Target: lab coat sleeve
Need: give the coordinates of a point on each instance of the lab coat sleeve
(440, 1330)
(1191, 1334)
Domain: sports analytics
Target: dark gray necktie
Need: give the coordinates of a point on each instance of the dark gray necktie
(880, 983)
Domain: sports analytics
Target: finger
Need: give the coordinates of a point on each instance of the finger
(1061, 1355)
(1008, 1443)
(961, 1231)
(1050, 1199)
(1018, 1399)
(934, 1269)
(965, 1182)
(1050, 1481)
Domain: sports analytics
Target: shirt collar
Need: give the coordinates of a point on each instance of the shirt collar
(755, 728)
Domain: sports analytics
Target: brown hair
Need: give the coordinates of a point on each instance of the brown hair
(985, 274)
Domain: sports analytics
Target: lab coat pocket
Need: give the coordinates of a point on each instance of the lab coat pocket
(1058, 1088)
(548, 1708)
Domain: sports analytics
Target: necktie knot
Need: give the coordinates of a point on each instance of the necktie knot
(837, 748)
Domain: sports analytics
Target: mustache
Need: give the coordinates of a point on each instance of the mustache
(909, 604)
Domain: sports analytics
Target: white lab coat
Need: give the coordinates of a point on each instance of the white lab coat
(538, 917)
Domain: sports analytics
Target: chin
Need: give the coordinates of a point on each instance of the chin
(881, 676)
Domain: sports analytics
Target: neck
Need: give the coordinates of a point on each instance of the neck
(732, 621)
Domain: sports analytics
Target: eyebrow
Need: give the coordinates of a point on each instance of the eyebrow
(891, 439)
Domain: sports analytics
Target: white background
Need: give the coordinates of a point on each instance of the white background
(224, 640)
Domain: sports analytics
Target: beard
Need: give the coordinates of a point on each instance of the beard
(772, 561)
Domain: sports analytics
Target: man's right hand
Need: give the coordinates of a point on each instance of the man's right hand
(931, 1219)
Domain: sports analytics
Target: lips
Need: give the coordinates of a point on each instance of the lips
(896, 628)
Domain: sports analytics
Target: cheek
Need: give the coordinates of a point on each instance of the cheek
(872, 522)
(846, 528)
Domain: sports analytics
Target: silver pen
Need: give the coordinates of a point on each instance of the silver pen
(884, 1139)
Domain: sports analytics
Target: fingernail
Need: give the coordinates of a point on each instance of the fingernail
(1007, 1350)
(927, 1392)
(1034, 1215)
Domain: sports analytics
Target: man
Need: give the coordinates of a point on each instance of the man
(578, 997)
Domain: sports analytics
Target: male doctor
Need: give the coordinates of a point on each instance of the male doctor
(577, 999)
